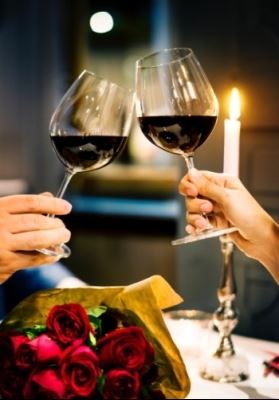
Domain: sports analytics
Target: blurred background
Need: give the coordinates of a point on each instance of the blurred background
(125, 215)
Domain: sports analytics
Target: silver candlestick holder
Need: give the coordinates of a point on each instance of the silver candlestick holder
(225, 365)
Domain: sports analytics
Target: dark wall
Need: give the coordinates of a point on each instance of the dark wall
(238, 45)
(37, 48)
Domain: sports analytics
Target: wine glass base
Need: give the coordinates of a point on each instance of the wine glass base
(61, 251)
(227, 369)
(205, 234)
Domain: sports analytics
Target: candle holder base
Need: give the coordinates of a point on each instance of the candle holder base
(225, 366)
(224, 369)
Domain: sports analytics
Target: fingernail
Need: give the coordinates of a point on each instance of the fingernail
(68, 205)
(205, 207)
(47, 194)
(200, 223)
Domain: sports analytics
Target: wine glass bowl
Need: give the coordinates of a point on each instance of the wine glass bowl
(88, 129)
(176, 108)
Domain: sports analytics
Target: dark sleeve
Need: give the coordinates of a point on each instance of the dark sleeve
(25, 282)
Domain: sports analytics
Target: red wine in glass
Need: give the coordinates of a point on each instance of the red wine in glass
(88, 130)
(84, 153)
(178, 134)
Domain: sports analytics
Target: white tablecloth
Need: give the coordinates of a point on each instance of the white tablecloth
(256, 351)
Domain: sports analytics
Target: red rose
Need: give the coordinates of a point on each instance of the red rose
(11, 384)
(25, 357)
(127, 348)
(42, 349)
(68, 323)
(47, 350)
(80, 370)
(9, 344)
(44, 385)
(121, 384)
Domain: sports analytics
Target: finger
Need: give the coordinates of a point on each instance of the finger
(190, 229)
(197, 221)
(39, 239)
(196, 205)
(20, 260)
(35, 204)
(187, 188)
(31, 259)
(221, 179)
(207, 187)
(10, 262)
(32, 222)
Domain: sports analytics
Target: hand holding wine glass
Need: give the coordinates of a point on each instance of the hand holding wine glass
(177, 109)
(88, 129)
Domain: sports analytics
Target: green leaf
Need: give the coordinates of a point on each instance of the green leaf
(95, 322)
(34, 331)
(101, 383)
(92, 340)
(94, 315)
(97, 311)
(30, 334)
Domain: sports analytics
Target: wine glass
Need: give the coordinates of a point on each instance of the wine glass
(177, 110)
(88, 129)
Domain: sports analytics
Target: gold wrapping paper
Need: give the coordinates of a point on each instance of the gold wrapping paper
(145, 299)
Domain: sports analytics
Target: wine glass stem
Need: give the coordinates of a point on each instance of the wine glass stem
(64, 250)
(65, 182)
(63, 186)
(189, 159)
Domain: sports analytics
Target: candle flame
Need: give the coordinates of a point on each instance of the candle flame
(235, 104)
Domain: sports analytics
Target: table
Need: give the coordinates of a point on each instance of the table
(256, 387)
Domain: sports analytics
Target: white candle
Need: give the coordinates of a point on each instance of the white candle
(232, 136)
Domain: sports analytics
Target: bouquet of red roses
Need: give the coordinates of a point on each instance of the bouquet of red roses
(54, 345)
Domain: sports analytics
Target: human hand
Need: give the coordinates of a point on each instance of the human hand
(228, 203)
(25, 227)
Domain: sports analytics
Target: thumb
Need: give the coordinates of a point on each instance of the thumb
(207, 187)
